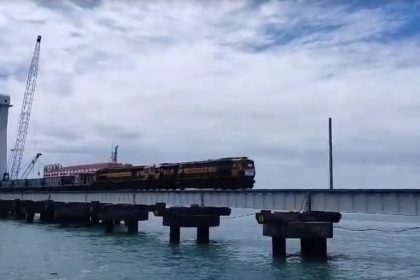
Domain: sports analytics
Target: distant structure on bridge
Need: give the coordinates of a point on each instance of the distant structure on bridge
(4, 112)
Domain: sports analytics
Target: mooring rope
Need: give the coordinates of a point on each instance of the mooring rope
(380, 230)
(240, 216)
(344, 228)
(336, 226)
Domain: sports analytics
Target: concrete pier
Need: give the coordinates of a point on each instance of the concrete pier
(314, 247)
(46, 210)
(29, 217)
(202, 218)
(17, 212)
(312, 228)
(5, 208)
(174, 234)
(203, 235)
(28, 211)
(279, 247)
(112, 214)
(95, 207)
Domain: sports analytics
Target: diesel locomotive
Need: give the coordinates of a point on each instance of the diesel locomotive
(224, 173)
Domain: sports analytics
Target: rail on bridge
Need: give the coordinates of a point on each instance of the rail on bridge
(366, 201)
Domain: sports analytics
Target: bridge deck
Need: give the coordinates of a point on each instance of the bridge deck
(368, 201)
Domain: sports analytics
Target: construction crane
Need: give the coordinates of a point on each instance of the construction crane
(114, 154)
(25, 114)
(30, 166)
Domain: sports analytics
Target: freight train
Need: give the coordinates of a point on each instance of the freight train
(224, 173)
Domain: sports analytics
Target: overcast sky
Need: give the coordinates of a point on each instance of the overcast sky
(192, 80)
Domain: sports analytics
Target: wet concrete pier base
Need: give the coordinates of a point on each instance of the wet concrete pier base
(202, 218)
(17, 211)
(314, 247)
(95, 207)
(5, 208)
(312, 228)
(46, 210)
(279, 246)
(174, 234)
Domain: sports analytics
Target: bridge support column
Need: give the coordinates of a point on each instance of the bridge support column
(5, 208)
(17, 209)
(314, 248)
(203, 235)
(46, 211)
(174, 234)
(132, 226)
(108, 226)
(95, 207)
(28, 210)
(279, 247)
(29, 217)
(202, 218)
(312, 228)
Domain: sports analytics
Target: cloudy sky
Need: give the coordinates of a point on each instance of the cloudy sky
(190, 80)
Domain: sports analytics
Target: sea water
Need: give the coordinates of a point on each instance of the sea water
(238, 250)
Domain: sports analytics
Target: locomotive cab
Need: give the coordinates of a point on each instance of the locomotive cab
(248, 167)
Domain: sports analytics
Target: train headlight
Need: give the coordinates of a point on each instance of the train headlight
(249, 172)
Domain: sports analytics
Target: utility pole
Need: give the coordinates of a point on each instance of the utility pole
(331, 153)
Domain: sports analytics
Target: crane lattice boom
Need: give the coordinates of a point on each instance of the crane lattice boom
(25, 114)
(114, 154)
(30, 166)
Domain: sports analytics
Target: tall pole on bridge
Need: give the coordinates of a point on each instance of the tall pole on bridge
(331, 155)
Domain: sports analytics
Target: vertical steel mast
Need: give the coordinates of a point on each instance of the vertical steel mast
(25, 114)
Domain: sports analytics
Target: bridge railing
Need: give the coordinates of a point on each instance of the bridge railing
(393, 202)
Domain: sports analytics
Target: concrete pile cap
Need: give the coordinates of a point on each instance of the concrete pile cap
(266, 217)
(127, 207)
(200, 211)
(123, 212)
(194, 210)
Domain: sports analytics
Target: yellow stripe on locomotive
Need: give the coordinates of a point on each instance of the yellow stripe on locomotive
(199, 170)
(117, 174)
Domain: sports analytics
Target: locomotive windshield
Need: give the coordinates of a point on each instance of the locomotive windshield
(249, 164)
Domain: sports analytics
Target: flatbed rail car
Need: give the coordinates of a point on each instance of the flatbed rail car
(74, 182)
(225, 173)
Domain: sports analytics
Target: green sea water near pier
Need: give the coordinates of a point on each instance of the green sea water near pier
(237, 251)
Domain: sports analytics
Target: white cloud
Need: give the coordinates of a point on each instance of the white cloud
(195, 80)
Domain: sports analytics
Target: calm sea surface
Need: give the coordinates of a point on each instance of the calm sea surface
(238, 251)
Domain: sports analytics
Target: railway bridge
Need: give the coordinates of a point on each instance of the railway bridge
(364, 201)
